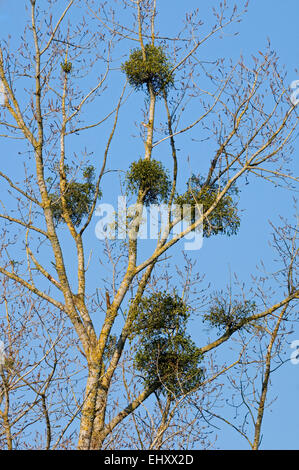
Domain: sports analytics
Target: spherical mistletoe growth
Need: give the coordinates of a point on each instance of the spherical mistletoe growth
(227, 314)
(66, 66)
(79, 197)
(155, 69)
(165, 355)
(224, 218)
(150, 177)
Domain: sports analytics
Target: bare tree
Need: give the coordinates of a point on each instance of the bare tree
(50, 109)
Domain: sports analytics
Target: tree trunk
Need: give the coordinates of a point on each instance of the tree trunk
(89, 409)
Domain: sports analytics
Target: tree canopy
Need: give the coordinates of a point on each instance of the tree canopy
(133, 341)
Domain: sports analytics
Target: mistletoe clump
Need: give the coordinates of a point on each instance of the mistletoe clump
(149, 177)
(79, 197)
(227, 314)
(224, 218)
(166, 356)
(66, 66)
(155, 70)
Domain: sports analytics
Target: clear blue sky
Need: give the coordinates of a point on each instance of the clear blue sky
(265, 19)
